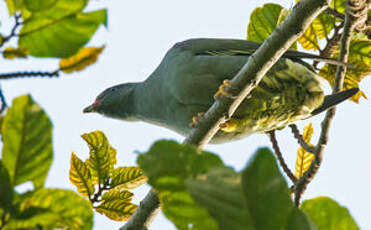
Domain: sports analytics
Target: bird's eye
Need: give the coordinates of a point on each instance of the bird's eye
(112, 89)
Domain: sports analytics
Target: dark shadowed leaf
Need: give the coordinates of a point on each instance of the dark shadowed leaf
(327, 214)
(266, 192)
(220, 192)
(6, 189)
(299, 220)
(167, 165)
(27, 136)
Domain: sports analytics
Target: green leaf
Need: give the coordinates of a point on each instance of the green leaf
(320, 28)
(114, 194)
(339, 5)
(55, 208)
(124, 178)
(118, 210)
(80, 176)
(27, 135)
(263, 20)
(39, 5)
(299, 220)
(266, 192)
(360, 57)
(102, 156)
(13, 6)
(6, 191)
(60, 37)
(328, 214)
(220, 192)
(167, 165)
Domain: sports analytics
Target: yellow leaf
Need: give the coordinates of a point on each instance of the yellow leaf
(85, 57)
(360, 59)
(320, 28)
(124, 178)
(80, 176)
(304, 158)
(102, 156)
(114, 194)
(11, 53)
(118, 210)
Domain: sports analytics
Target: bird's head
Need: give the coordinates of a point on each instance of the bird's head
(115, 102)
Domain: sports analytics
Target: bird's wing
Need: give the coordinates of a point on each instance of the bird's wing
(235, 47)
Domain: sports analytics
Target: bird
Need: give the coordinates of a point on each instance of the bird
(192, 74)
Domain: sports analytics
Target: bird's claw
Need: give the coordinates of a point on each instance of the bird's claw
(229, 126)
(196, 118)
(222, 91)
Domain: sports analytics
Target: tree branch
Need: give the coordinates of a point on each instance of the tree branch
(280, 158)
(242, 85)
(352, 19)
(299, 138)
(12, 34)
(4, 76)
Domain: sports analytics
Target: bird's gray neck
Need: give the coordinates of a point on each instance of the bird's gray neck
(148, 100)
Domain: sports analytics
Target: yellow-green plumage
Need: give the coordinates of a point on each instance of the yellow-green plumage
(186, 80)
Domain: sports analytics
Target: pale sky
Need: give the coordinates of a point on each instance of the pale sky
(138, 35)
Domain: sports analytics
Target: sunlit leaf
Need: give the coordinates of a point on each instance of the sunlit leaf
(266, 192)
(118, 210)
(339, 5)
(304, 158)
(327, 214)
(127, 178)
(320, 28)
(100, 161)
(39, 5)
(264, 20)
(54, 209)
(13, 5)
(27, 136)
(85, 57)
(60, 37)
(80, 176)
(360, 59)
(114, 194)
(220, 192)
(11, 53)
(167, 165)
(6, 189)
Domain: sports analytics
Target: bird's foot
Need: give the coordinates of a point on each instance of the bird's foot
(222, 91)
(229, 126)
(196, 118)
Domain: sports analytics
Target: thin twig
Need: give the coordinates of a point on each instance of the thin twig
(3, 220)
(12, 34)
(276, 148)
(300, 139)
(350, 23)
(2, 101)
(241, 86)
(4, 76)
(99, 193)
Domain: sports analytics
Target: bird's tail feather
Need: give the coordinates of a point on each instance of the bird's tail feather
(334, 99)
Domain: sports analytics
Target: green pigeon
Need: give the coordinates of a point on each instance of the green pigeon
(185, 83)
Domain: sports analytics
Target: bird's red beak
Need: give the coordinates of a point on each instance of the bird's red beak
(92, 108)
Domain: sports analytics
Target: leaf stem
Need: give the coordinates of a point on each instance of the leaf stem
(12, 34)
(276, 148)
(4, 76)
(300, 139)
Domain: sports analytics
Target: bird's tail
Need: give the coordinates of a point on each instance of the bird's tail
(334, 99)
